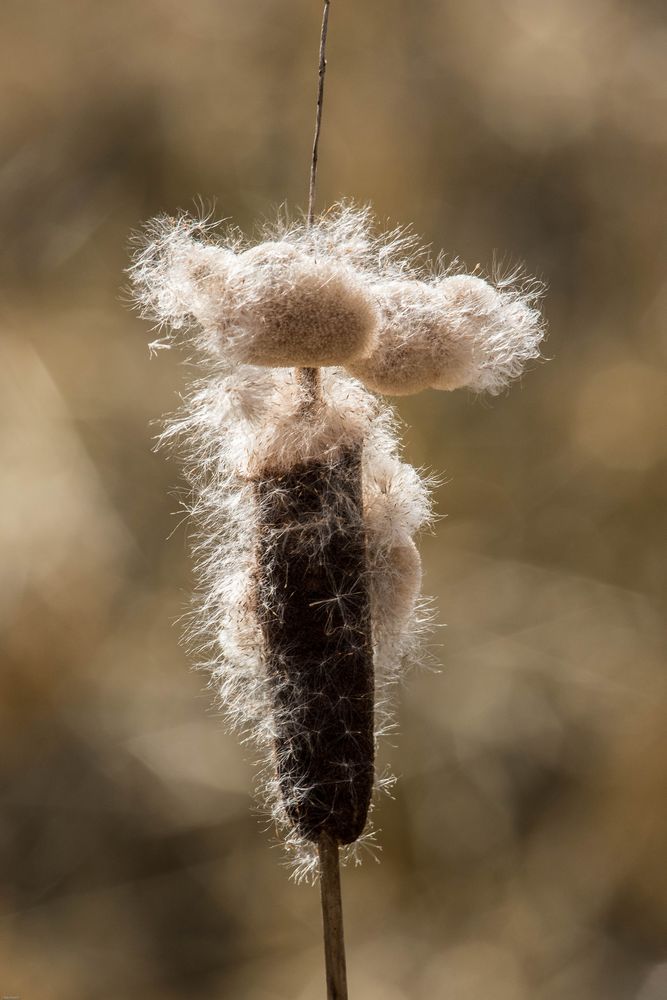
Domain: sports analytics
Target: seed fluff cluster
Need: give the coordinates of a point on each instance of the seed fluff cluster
(309, 588)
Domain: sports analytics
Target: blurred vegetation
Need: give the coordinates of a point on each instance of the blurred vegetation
(524, 855)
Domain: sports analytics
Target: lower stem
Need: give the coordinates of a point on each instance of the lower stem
(332, 918)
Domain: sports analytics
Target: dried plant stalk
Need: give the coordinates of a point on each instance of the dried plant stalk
(310, 579)
(332, 919)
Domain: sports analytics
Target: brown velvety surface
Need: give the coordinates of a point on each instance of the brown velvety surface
(315, 613)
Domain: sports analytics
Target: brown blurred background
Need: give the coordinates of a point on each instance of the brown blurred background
(524, 856)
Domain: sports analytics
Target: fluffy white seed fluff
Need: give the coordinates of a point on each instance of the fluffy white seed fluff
(275, 304)
(449, 332)
(336, 293)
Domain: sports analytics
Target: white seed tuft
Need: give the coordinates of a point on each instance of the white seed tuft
(449, 332)
(278, 304)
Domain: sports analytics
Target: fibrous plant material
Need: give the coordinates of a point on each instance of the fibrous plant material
(337, 293)
(275, 304)
(310, 579)
(449, 332)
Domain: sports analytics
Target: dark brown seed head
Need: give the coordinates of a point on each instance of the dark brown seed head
(314, 611)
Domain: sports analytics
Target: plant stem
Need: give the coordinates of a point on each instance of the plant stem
(310, 383)
(310, 377)
(332, 918)
(318, 112)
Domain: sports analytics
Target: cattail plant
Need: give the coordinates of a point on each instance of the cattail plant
(309, 578)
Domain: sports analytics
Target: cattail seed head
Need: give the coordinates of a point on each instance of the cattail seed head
(500, 327)
(447, 333)
(309, 597)
(272, 305)
(314, 612)
(413, 346)
(307, 603)
(298, 310)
